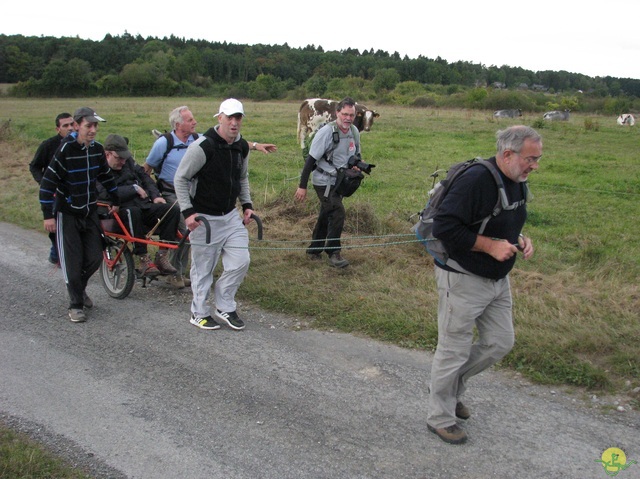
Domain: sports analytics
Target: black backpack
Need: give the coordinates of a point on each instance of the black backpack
(424, 228)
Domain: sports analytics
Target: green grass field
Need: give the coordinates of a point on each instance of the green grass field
(576, 300)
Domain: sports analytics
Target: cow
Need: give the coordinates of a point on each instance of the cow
(315, 112)
(556, 115)
(626, 119)
(507, 113)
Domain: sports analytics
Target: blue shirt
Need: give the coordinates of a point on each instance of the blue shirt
(173, 159)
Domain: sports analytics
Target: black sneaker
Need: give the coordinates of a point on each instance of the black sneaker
(232, 319)
(204, 323)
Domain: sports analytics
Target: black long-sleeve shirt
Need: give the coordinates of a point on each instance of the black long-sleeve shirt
(44, 155)
(471, 198)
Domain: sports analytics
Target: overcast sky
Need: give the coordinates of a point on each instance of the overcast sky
(596, 39)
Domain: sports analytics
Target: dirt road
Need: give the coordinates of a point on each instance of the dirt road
(138, 392)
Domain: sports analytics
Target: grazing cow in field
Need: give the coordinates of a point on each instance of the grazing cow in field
(556, 115)
(507, 113)
(626, 119)
(316, 112)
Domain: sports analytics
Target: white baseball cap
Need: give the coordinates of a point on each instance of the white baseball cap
(230, 106)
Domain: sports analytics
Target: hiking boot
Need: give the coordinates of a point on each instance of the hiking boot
(451, 434)
(232, 319)
(186, 281)
(314, 256)
(204, 323)
(147, 268)
(87, 300)
(54, 260)
(337, 261)
(163, 264)
(462, 411)
(77, 315)
(175, 281)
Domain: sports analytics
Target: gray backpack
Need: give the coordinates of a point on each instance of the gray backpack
(424, 228)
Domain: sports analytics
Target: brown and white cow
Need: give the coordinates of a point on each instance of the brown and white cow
(315, 112)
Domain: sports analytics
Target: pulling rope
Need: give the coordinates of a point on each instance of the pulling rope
(343, 240)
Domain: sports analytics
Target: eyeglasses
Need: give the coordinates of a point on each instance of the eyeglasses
(117, 157)
(531, 160)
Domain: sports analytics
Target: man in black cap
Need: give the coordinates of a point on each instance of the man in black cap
(68, 197)
(141, 205)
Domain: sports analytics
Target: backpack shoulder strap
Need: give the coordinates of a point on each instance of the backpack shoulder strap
(170, 146)
(503, 202)
(169, 137)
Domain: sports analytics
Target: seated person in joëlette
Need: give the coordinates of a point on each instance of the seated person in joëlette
(141, 206)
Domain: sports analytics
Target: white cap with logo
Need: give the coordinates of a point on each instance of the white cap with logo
(230, 107)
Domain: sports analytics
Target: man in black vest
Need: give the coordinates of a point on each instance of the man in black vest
(212, 178)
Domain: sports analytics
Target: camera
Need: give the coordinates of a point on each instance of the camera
(356, 160)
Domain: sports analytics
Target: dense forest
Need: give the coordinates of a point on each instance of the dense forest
(127, 65)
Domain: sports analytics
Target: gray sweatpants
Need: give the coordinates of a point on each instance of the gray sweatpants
(466, 301)
(229, 241)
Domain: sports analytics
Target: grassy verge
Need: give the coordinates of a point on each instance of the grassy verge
(576, 301)
(22, 458)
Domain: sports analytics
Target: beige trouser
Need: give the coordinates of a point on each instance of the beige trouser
(466, 301)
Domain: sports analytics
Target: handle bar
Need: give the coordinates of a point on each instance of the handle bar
(207, 226)
(258, 221)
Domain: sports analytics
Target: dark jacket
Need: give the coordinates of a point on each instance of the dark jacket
(471, 198)
(131, 174)
(69, 182)
(44, 155)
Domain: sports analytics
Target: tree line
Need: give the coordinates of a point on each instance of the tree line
(127, 65)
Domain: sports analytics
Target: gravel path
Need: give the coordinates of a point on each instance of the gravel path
(137, 392)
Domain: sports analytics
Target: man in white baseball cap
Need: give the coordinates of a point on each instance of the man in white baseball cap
(210, 181)
(230, 107)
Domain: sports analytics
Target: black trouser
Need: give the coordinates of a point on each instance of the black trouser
(140, 220)
(80, 250)
(54, 246)
(330, 223)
